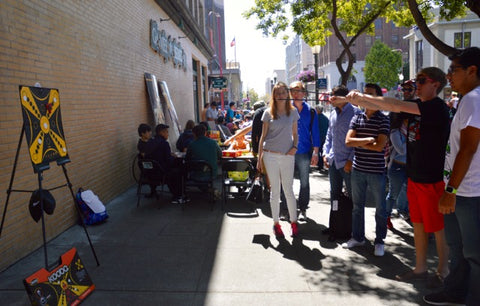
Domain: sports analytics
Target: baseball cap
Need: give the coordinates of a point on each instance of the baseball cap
(409, 83)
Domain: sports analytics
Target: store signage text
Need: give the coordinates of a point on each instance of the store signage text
(167, 46)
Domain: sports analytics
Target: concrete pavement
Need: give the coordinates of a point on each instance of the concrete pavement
(158, 254)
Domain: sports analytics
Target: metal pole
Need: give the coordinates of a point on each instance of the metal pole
(315, 56)
(220, 56)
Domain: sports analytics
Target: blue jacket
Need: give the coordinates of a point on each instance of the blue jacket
(308, 136)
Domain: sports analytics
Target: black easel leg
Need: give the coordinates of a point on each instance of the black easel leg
(9, 190)
(43, 218)
(79, 213)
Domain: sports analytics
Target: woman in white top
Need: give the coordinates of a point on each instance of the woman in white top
(277, 147)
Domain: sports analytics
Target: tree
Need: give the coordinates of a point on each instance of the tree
(251, 95)
(382, 65)
(448, 9)
(314, 21)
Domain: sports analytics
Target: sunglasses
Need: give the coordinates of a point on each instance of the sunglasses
(407, 89)
(423, 80)
(452, 68)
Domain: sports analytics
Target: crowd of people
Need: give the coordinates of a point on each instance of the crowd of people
(418, 154)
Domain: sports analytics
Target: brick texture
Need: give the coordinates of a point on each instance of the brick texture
(95, 53)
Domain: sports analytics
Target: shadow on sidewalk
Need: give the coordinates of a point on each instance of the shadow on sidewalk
(308, 258)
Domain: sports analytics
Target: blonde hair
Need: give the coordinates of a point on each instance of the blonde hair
(273, 101)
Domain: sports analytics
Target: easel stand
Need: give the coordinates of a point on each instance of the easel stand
(40, 178)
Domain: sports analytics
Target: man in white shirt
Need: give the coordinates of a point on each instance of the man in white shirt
(460, 203)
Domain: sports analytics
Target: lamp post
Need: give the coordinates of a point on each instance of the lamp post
(217, 15)
(316, 51)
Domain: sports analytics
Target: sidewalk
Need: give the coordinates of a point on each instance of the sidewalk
(158, 254)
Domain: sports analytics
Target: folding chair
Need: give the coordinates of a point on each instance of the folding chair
(245, 175)
(199, 173)
(151, 173)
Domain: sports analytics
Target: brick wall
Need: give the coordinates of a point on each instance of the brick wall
(95, 53)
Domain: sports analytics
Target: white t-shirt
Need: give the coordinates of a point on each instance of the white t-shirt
(468, 114)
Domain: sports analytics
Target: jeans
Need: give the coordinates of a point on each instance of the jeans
(397, 188)
(376, 184)
(337, 177)
(455, 284)
(280, 170)
(302, 165)
(463, 228)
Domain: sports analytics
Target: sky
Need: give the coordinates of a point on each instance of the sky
(258, 56)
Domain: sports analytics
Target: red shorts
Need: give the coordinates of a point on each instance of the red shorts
(423, 204)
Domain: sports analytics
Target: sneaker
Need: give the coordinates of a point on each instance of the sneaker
(352, 243)
(176, 200)
(389, 224)
(440, 298)
(379, 249)
(303, 215)
(294, 229)
(277, 229)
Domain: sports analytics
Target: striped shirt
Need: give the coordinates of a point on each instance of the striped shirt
(368, 160)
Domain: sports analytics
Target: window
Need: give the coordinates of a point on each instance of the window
(418, 55)
(462, 40)
(378, 24)
(368, 41)
(394, 39)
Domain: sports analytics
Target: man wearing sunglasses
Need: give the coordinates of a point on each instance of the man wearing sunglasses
(460, 201)
(428, 129)
(409, 88)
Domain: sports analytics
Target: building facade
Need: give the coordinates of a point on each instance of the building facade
(299, 52)
(459, 33)
(95, 53)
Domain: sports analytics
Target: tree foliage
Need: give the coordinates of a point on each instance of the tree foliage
(382, 65)
(316, 20)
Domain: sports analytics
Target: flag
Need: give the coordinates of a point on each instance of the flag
(233, 42)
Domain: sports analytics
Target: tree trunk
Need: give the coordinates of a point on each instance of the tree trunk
(474, 6)
(429, 36)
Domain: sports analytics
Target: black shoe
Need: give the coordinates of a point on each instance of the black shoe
(440, 298)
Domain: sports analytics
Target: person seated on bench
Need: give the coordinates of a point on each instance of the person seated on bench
(186, 137)
(144, 144)
(204, 148)
(162, 153)
(145, 147)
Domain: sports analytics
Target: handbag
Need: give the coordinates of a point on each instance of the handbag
(255, 193)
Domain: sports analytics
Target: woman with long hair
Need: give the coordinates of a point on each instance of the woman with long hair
(277, 147)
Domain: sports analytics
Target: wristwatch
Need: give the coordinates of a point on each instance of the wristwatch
(450, 189)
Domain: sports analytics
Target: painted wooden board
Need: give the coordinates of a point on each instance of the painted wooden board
(154, 98)
(171, 118)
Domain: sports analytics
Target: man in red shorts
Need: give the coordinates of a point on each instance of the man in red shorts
(428, 130)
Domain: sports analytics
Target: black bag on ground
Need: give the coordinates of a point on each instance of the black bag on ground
(340, 222)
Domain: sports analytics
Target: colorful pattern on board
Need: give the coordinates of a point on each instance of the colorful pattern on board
(42, 122)
(67, 284)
